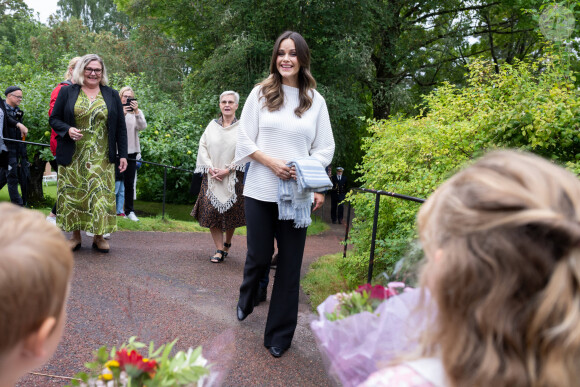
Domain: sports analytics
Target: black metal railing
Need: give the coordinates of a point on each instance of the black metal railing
(378, 195)
(165, 167)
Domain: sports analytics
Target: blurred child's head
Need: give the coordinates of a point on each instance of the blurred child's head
(502, 238)
(35, 269)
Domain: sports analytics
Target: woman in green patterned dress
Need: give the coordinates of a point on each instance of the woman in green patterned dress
(89, 121)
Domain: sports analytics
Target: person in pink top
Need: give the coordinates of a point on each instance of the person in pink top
(502, 241)
(53, 95)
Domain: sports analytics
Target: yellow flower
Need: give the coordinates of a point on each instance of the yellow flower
(106, 377)
(112, 363)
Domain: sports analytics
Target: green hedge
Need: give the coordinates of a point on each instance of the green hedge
(532, 106)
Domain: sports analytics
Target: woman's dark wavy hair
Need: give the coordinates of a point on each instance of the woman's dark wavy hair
(272, 90)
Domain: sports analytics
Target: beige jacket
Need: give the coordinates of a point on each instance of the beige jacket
(135, 123)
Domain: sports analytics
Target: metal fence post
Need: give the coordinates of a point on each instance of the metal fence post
(164, 190)
(347, 230)
(374, 237)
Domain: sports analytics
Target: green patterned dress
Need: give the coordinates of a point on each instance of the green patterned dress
(86, 187)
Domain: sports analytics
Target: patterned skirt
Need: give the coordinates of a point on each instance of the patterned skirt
(209, 217)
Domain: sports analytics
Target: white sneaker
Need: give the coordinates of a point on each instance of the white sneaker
(51, 219)
(90, 234)
(133, 217)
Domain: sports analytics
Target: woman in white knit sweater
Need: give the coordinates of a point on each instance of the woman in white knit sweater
(135, 121)
(284, 118)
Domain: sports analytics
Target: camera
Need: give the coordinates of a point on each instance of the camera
(128, 103)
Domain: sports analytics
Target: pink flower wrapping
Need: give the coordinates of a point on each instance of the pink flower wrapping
(360, 344)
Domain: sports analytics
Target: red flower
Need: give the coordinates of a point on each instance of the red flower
(376, 292)
(132, 359)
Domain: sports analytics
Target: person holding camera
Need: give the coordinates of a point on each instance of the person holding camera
(17, 171)
(135, 122)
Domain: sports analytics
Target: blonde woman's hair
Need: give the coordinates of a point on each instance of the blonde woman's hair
(70, 68)
(507, 283)
(35, 268)
(272, 91)
(124, 90)
(79, 71)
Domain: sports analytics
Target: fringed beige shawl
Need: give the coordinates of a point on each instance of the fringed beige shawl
(217, 148)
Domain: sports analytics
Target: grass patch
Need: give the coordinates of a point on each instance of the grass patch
(317, 227)
(174, 211)
(156, 223)
(177, 216)
(323, 279)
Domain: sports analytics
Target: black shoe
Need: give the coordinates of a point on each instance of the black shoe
(276, 351)
(261, 296)
(217, 259)
(340, 222)
(241, 315)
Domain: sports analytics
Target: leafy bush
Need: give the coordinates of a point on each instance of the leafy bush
(531, 106)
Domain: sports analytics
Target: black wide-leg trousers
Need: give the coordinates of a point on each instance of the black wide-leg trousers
(262, 226)
(129, 182)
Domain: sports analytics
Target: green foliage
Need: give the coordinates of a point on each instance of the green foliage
(532, 106)
(36, 88)
(16, 25)
(391, 53)
(171, 137)
(101, 15)
(323, 279)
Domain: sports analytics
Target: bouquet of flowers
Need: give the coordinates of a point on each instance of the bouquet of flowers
(127, 367)
(362, 331)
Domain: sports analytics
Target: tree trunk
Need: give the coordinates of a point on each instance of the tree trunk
(35, 192)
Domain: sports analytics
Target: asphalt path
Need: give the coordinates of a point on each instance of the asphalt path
(162, 286)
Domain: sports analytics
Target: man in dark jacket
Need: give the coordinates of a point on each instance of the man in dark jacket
(337, 195)
(17, 170)
(3, 132)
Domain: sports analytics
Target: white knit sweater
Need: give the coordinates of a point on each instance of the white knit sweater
(281, 134)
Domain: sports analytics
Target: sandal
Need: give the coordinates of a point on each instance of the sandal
(228, 245)
(215, 259)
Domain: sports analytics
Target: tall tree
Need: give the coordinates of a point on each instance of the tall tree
(17, 24)
(372, 58)
(97, 15)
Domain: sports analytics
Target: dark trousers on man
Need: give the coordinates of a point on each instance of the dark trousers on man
(130, 182)
(336, 209)
(9, 176)
(263, 225)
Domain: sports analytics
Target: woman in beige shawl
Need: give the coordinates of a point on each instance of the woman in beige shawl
(220, 205)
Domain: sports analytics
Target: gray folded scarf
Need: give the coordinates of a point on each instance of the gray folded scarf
(295, 196)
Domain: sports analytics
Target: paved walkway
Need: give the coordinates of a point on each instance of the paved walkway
(162, 286)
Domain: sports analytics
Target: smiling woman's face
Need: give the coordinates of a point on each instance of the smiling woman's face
(93, 74)
(287, 62)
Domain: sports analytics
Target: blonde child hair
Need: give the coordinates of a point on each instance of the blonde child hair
(35, 268)
(502, 239)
